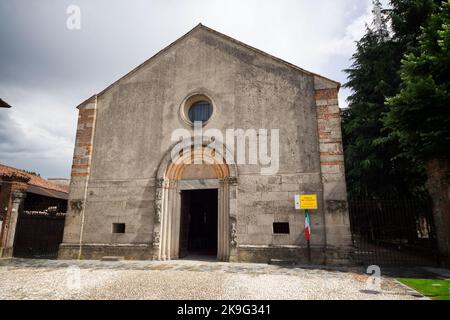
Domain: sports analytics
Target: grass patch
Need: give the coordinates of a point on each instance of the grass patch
(434, 289)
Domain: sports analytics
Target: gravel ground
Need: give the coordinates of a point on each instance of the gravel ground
(46, 279)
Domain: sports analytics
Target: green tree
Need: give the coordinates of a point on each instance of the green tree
(371, 171)
(419, 115)
(407, 18)
(376, 165)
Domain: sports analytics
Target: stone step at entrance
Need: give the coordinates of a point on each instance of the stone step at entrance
(113, 259)
(283, 263)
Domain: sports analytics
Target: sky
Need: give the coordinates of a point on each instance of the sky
(47, 69)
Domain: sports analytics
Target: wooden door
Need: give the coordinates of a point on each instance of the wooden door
(184, 223)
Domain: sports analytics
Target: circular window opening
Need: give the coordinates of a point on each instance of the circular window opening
(200, 111)
(197, 108)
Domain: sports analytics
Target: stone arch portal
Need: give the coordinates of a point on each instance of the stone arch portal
(169, 184)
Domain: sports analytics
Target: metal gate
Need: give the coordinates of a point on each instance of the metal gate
(393, 232)
(38, 234)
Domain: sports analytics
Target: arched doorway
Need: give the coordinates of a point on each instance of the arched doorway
(175, 180)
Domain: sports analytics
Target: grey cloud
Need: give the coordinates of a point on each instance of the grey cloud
(46, 69)
(19, 150)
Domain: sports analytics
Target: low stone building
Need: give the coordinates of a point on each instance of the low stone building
(130, 197)
(31, 214)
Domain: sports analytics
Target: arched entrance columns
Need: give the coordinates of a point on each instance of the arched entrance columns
(166, 232)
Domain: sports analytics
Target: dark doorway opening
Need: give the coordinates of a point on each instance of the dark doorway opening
(198, 234)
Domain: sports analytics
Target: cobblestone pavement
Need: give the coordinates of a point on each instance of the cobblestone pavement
(50, 279)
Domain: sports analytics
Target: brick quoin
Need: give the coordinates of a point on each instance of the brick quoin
(330, 136)
(326, 94)
(82, 175)
(83, 144)
(333, 163)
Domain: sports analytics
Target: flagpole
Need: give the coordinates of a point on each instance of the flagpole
(308, 237)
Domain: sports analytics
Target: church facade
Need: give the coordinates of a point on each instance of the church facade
(136, 194)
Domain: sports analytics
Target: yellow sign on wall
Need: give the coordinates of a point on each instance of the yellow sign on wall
(306, 202)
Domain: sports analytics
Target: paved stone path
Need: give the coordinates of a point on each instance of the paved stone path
(49, 279)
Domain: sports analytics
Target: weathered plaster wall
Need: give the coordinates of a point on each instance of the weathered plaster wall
(135, 120)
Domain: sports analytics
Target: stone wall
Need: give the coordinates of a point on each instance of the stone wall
(250, 90)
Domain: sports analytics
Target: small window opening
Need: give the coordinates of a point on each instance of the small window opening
(281, 228)
(118, 227)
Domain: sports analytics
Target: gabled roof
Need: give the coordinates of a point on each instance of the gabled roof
(36, 184)
(323, 81)
(3, 104)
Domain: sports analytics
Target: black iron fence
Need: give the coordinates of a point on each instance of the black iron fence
(393, 232)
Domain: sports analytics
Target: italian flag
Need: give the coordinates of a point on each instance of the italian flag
(307, 226)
